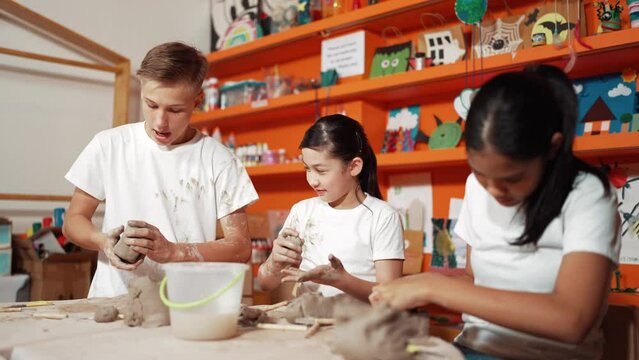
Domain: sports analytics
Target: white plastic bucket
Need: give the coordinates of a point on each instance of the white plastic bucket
(204, 299)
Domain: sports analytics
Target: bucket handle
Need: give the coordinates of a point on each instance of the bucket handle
(200, 302)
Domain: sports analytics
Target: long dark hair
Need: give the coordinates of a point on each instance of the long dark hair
(345, 139)
(517, 114)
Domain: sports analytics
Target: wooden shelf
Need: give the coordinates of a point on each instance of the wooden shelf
(624, 298)
(275, 170)
(604, 145)
(445, 79)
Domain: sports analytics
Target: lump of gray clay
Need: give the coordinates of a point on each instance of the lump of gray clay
(124, 251)
(104, 314)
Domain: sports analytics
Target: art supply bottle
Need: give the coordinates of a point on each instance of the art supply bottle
(339, 7)
(316, 10)
(211, 94)
(47, 221)
(327, 8)
(58, 217)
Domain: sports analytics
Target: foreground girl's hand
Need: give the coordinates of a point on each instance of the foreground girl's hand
(405, 293)
(324, 274)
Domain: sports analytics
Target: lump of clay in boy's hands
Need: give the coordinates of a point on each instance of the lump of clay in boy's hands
(107, 313)
(124, 251)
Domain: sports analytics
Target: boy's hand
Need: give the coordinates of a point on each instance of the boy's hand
(148, 240)
(323, 274)
(287, 251)
(108, 242)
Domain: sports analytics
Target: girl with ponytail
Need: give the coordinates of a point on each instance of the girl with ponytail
(541, 227)
(347, 220)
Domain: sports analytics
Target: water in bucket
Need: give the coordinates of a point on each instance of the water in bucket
(203, 299)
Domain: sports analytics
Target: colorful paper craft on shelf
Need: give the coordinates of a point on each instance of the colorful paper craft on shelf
(405, 193)
(401, 129)
(283, 15)
(224, 15)
(606, 101)
(462, 102)
(443, 246)
(551, 23)
(444, 46)
(502, 37)
(446, 135)
(391, 60)
(609, 16)
(241, 31)
(628, 196)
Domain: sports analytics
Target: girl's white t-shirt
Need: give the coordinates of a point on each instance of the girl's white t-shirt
(182, 190)
(358, 237)
(588, 222)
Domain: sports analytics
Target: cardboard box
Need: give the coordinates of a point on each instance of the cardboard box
(59, 276)
(5, 233)
(413, 251)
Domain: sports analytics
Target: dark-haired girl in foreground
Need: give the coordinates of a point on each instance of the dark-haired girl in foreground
(540, 224)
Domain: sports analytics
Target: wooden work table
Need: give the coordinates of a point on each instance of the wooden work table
(22, 336)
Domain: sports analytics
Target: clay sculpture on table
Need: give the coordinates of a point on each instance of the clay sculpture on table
(144, 306)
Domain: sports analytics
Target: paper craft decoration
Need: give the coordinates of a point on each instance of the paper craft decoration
(241, 31)
(413, 251)
(390, 60)
(401, 129)
(403, 192)
(502, 37)
(470, 12)
(283, 14)
(609, 15)
(628, 195)
(553, 22)
(446, 135)
(462, 102)
(445, 46)
(604, 101)
(225, 12)
(443, 246)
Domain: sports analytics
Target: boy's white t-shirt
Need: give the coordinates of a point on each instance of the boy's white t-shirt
(358, 237)
(182, 190)
(588, 222)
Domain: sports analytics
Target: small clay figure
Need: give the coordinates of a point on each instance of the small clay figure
(144, 306)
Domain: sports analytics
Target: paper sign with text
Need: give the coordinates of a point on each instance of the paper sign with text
(344, 54)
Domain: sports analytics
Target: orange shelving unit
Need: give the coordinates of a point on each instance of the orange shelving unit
(281, 122)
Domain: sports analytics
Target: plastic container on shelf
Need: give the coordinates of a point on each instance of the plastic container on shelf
(203, 299)
(242, 92)
(277, 85)
(211, 94)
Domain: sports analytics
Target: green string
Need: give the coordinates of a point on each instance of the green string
(200, 302)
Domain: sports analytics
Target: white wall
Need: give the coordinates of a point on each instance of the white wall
(49, 112)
